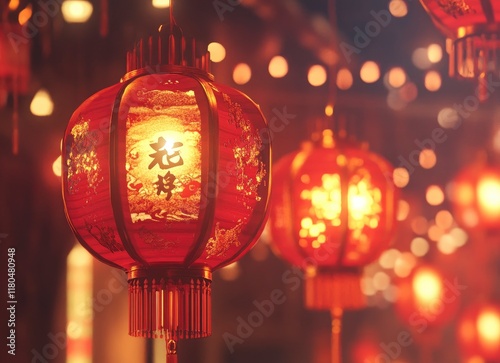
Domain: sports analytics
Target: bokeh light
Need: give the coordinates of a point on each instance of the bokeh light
(432, 81)
(242, 73)
(398, 8)
(401, 177)
(434, 53)
(396, 77)
(316, 76)
(370, 72)
(278, 67)
(434, 195)
(344, 79)
(217, 52)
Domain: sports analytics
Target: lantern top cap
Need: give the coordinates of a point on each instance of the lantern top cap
(167, 48)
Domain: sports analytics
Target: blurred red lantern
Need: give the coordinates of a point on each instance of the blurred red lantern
(14, 71)
(475, 194)
(426, 299)
(473, 29)
(333, 212)
(478, 332)
(167, 177)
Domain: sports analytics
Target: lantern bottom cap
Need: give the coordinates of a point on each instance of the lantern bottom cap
(329, 290)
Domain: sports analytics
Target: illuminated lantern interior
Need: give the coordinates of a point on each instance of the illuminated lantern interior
(479, 332)
(475, 195)
(166, 176)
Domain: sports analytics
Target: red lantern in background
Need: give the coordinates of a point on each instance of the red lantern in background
(14, 71)
(478, 332)
(333, 212)
(475, 194)
(166, 176)
(425, 299)
(473, 30)
(426, 302)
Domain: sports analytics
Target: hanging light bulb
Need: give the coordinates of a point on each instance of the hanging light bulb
(76, 11)
(42, 104)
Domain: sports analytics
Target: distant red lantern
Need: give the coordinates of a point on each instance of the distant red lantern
(478, 332)
(473, 29)
(166, 176)
(14, 71)
(475, 195)
(333, 212)
(426, 299)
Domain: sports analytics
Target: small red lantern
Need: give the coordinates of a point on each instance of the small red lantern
(478, 332)
(167, 177)
(426, 302)
(426, 299)
(473, 29)
(475, 194)
(333, 212)
(14, 71)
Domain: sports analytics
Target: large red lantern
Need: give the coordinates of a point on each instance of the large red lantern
(475, 194)
(166, 176)
(333, 212)
(478, 332)
(473, 30)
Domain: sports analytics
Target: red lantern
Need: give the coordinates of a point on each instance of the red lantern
(473, 28)
(425, 299)
(14, 71)
(475, 194)
(166, 176)
(478, 332)
(333, 212)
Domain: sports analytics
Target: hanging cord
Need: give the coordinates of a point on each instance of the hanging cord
(332, 68)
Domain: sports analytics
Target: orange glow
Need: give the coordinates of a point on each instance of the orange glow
(419, 246)
(364, 207)
(435, 53)
(488, 195)
(427, 287)
(403, 210)
(161, 4)
(401, 177)
(434, 195)
(435, 233)
(242, 73)
(370, 72)
(217, 52)
(13, 5)
(329, 110)
(398, 8)
(388, 258)
(464, 193)
(419, 225)
(488, 328)
(56, 167)
(317, 75)
(25, 15)
(79, 289)
(420, 58)
(396, 77)
(444, 219)
(42, 104)
(427, 158)
(432, 81)
(278, 67)
(77, 11)
(344, 79)
(404, 264)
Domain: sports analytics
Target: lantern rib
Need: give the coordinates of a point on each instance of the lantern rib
(114, 185)
(212, 151)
